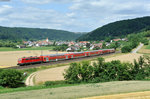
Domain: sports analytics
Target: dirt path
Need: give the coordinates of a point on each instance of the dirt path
(52, 74)
(29, 80)
(138, 48)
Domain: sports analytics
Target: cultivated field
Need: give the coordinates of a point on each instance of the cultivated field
(53, 74)
(10, 58)
(144, 50)
(125, 58)
(133, 95)
(79, 91)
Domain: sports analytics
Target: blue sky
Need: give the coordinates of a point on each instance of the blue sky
(70, 15)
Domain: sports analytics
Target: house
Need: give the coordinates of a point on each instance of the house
(21, 46)
(71, 44)
(100, 45)
(116, 39)
(72, 49)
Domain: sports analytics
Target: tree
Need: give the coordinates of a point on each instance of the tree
(126, 49)
(11, 78)
(104, 45)
(72, 73)
(88, 45)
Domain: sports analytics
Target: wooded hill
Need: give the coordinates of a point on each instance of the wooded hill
(118, 29)
(7, 33)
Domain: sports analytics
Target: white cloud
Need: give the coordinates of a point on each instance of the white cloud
(5, 9)
(81, 15)
(37, 1)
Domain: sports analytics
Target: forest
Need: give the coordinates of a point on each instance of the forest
(16, 33)
(118, 29)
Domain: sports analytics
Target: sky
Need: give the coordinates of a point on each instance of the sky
(70, 15)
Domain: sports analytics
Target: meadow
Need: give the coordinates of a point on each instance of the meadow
(77, 91)
(24, 49)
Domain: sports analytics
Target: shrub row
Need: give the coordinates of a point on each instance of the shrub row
(107, 71)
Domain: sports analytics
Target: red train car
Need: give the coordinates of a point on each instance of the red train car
(29, 60)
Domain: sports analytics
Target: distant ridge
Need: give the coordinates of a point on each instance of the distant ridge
(18, 33)
(118, 29)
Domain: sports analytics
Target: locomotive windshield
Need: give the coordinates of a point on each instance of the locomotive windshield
(19, 59)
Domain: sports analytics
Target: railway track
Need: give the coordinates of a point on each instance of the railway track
(58, 62)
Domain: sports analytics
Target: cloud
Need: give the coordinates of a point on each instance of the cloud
(46, 1)
(37, 1)
(78, 15)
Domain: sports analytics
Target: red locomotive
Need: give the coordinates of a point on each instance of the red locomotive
(63, 56)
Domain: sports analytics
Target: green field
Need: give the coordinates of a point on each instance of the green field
(23, 49)
(75, 91)
(148, 47)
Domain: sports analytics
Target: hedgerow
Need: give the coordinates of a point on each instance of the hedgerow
(108, 71)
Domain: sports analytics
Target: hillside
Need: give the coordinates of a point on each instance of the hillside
(118, 29)
(7, 33)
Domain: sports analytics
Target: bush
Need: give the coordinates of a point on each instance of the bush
(145, 41)
(11, 78)
(72, 73)
(126, 49)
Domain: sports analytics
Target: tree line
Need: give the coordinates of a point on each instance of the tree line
(108, 71)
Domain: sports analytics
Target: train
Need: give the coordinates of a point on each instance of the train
(62, 56)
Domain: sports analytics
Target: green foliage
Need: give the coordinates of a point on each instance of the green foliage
(85, 71)
(114, 45)
(145, 41)
(126, 49)
(104, 45)
(60, 48)
(118, 29)
(7, 33)
(96, 48)
(133, 41)
(71, 74)
(11, 78)
(108, 71)
(9, 43)
(88, 45)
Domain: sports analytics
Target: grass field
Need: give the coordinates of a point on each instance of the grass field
(79, 91)
(24, 49)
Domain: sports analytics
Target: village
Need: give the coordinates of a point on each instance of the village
(72, 46)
